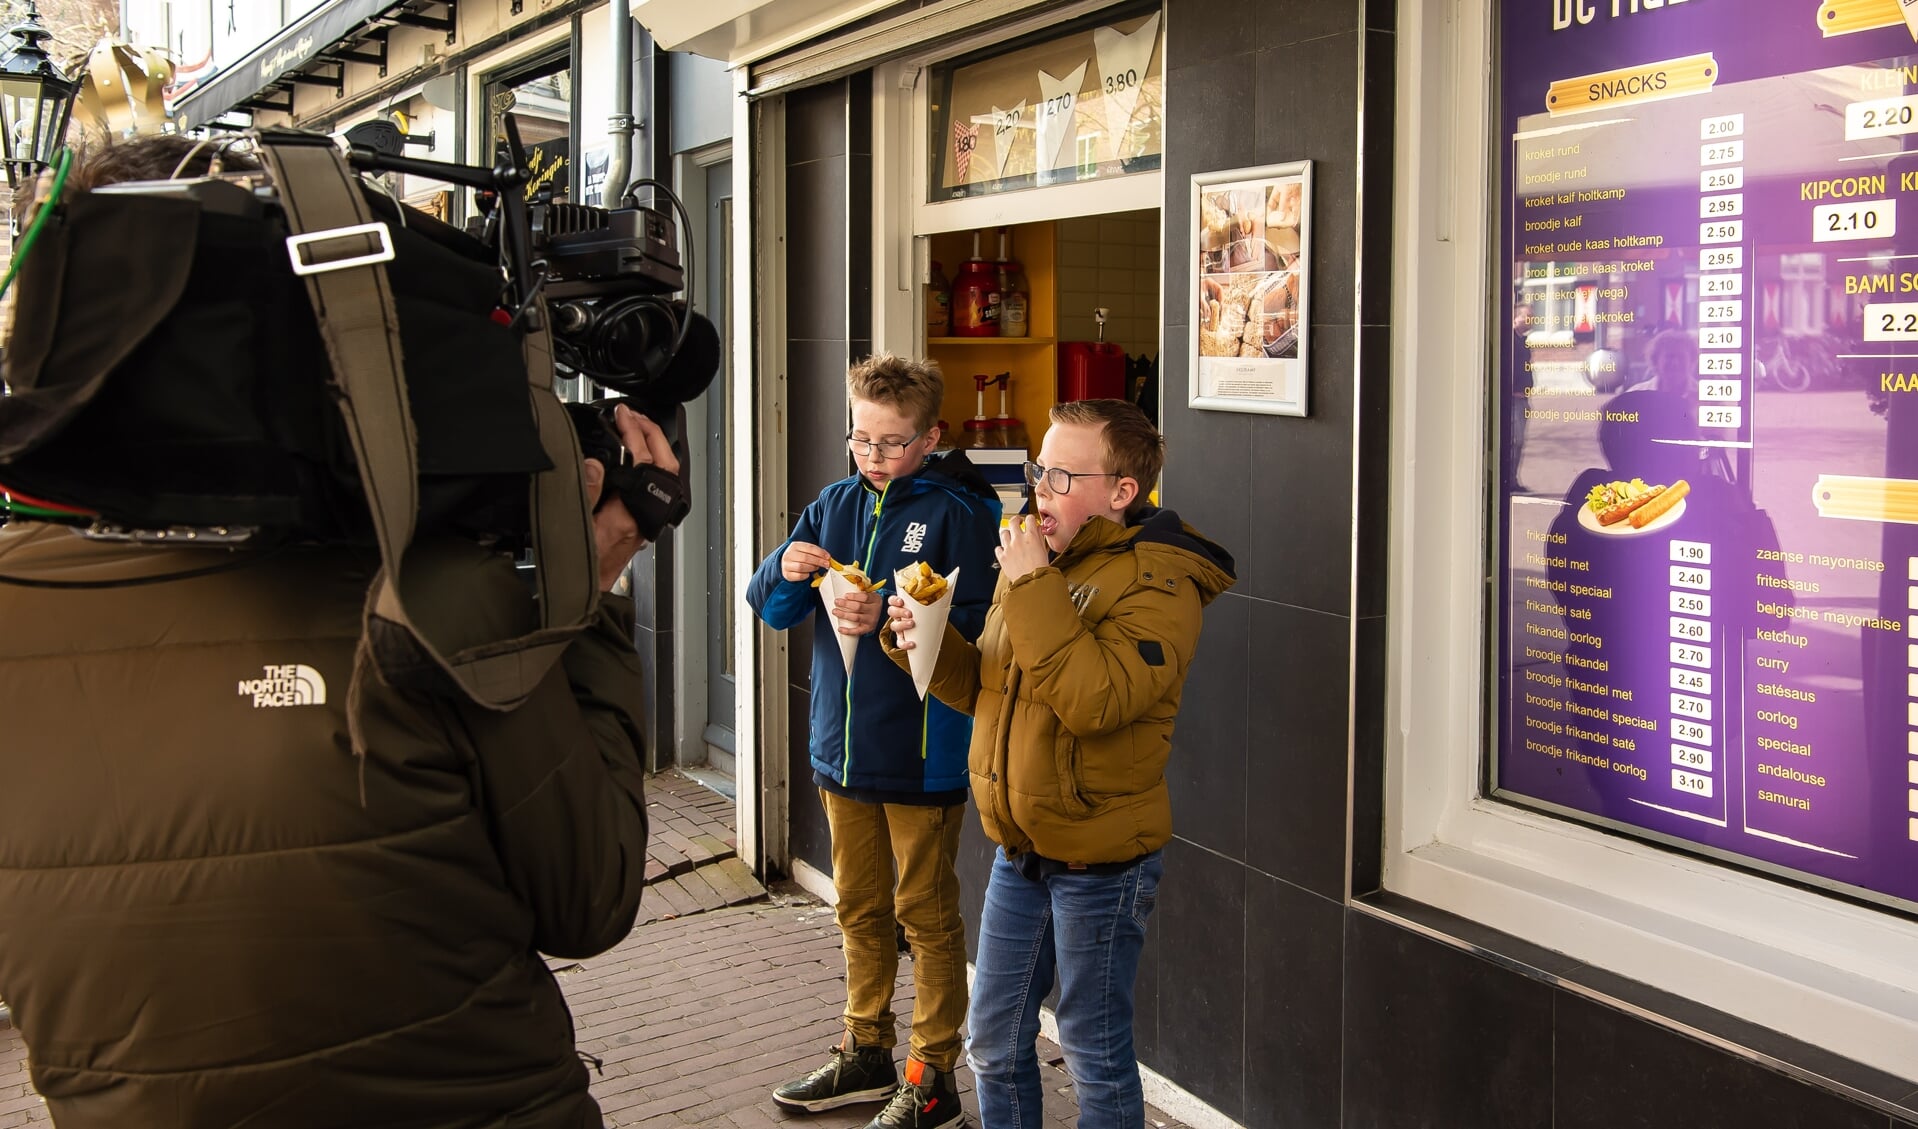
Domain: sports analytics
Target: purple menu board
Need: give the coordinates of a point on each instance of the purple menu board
(1708, 422)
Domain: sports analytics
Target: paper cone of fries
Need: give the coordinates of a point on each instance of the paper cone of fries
(831, 587)
(928, 620)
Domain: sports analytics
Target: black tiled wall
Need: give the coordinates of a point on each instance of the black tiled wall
(828, 289)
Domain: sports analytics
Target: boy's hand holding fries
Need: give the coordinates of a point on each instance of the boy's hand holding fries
(924, 602)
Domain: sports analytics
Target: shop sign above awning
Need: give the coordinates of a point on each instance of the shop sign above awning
(745, 31)
(312, 50)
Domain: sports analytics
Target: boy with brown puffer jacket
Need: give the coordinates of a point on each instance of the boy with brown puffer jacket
(1073, 687)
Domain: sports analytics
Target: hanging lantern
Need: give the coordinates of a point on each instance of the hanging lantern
(35, 100)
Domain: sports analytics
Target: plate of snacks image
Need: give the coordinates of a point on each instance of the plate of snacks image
(931, 602)
(1627, 509)
(835, 582)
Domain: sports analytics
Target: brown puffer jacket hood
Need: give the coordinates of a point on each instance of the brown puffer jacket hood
(1074, 686)
(212, 914)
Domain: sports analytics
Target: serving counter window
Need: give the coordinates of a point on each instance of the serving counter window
(1080, 106)
(1706, 621)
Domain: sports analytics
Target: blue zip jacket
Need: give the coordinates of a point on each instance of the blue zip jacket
(946, 515)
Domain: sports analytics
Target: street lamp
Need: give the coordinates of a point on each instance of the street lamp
(35, 100)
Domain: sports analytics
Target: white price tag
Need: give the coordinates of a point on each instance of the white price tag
(1722, 153)
(1721, 337)
(1720, 285)
(1691, 681)
(1721, 180)
(1691, 782)
(1695, 732)
(1690, 576)
(1856, 219)
(1691, 630)
(1007, 125)
(1056, 120)
(1891, 321)
(1728, 125)
(1721, 231)
(1715, 207)
(1692, 552)
(1724, 309)
(1691, 654)
(1881, 117)
(1721, 364)
(1694, 760)
(1728, 416)
(1721, 391)
(1123, 60)
(1722, 258)
(1691, 603)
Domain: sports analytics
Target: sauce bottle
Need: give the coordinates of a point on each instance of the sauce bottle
(938, 302)
(1015, 304)
(975, 297)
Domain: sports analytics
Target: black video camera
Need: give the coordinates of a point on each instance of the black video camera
(221, 416)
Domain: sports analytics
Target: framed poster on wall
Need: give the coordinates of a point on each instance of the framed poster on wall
(1251, 251)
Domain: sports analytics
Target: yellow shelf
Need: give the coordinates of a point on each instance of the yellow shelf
(989, 341)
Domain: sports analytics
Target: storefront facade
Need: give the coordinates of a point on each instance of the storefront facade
(1374, 914)
(447, 73)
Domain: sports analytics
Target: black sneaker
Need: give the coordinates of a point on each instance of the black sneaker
(863, 1074)
(927, 1099)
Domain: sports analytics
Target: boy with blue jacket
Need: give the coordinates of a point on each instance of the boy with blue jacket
(890, 767)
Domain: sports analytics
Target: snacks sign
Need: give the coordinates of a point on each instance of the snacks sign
(1707, 422)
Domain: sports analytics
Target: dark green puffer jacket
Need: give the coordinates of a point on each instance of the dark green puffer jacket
(213, 914)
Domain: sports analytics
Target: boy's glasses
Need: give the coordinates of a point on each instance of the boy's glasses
(865, 447)
(1060, 481)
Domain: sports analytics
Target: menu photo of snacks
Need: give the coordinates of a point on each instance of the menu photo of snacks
(1251, 266)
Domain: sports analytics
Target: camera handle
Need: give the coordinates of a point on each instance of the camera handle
(505, 176)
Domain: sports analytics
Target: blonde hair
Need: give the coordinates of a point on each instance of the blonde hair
(913, 388)
(1134, 448)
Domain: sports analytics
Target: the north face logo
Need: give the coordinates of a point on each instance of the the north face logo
(280, 686)
(915, 538)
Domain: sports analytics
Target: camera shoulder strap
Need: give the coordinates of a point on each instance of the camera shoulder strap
(340, 251)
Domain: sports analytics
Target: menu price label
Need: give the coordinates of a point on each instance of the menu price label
(1861, 219)
(1883, 117)
(1691, 782)
(1697, 760)
(1721, 180)
(1891, 321)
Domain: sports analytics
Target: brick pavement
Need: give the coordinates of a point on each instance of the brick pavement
(707, 1005)
(692, 855)
(695, 1019)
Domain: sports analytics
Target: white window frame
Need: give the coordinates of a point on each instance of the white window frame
(1831, 972)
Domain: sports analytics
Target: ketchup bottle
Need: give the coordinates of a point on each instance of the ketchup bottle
(975, 297)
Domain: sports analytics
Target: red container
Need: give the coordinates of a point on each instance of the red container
(975, 300)
(1091, 370)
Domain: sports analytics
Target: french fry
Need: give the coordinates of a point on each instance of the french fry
(923, 584)
(853, 574)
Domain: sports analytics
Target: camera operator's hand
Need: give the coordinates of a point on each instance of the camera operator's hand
(645, 442)
(803, 560)
(615, 534)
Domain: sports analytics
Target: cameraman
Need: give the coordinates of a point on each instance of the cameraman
(213, 914)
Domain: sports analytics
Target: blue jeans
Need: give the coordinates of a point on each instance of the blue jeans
(1085, 930)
